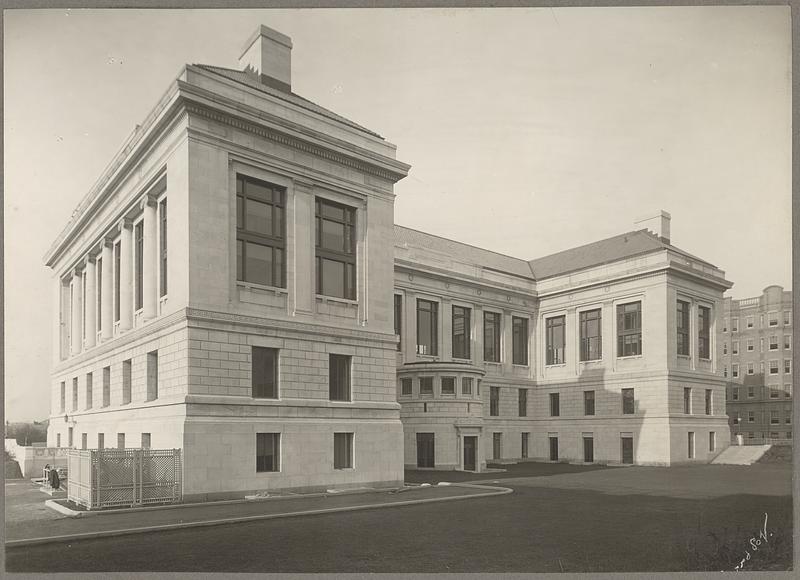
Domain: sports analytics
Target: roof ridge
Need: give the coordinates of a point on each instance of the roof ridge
(523, 260)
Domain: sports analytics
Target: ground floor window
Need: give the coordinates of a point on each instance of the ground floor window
(497, 445)
(525, 439)
(342, 450)
(58, 439)
(553, 448)
(426, 450)
(712, 441)
(101, 440)
(120, 440)
(84, 440)
(690, 442)
(268, 447)
(145, 440)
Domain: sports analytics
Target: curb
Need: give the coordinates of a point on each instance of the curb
(105, 512)
(493, 491)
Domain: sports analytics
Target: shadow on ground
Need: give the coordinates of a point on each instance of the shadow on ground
(525, 469)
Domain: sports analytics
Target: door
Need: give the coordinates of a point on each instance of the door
(553, 448)
(470, 444)
(425, 450)
(588, 449)
(627, 450)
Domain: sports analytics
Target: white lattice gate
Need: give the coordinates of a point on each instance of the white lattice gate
(101, 478)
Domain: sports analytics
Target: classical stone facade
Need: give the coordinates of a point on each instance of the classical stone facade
(756, 337)
(227, 287)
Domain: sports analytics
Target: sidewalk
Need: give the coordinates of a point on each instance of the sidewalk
(109, 523)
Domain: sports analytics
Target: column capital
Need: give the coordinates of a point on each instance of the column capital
(148, 200)
(78, 269)
(88, 259)
(304, 185)
(125, 223)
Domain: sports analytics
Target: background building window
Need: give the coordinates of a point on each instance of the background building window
(704, 332)
(774, 369)
(735, 347)
(683, 328)
(735, 371)
(264, 372)
(735, 393)
(268, 450)
(519, 340)
(336, 249)
(751, 368)
(749, 321)
(554, 405)
(426, 385)
(588, 402)
(735, 325)
(427, 327)
(491, 336)
(461, 332)
(555, 339)
(750, 345)
(751, 392)
(494, 401)
(591, 325)
(398, 319)
(773, 342)
(448, 385)
(342, 450)
(787, 366)
(522, 402)
(787, 317)
(260, 232)
(773, 318)
(629, 329)
(628, 402)
(339, 377)
(787, 341)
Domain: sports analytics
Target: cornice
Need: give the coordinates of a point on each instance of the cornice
(399, 171)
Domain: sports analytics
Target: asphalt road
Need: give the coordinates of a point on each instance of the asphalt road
(535, 529)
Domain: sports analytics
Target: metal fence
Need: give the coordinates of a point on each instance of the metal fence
(101, 478)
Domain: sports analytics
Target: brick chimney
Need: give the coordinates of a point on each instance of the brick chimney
(268, 55)
(656, 223)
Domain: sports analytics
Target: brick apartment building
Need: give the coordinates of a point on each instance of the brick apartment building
(234, 286)
(756, 336)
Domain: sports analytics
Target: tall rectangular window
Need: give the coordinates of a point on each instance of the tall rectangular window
(494, 401)
(339, 377)
(84, 440)
(264, 372)
(461, 332)
(522, 402)
(70, 434)
(773, 318)
(735, 370)
(749, 321)
(268, 452)
(734, 325)
(106, 386)
(120, 440)
(145, 440)
(63, 403)
(117, 267)
(406, 387)
(525, 440)
(687, 400)
(555, 339)
(152, 375)
(162, 247)
(591, 329)
(555, 411)
(491, 336)
(83, 305)
(101, 440)
(787, 341)
(628, 402)
(773, 342)
(709, 401)
(448, 385)
(336, 249)
(89, 390)
(342, 450)
(138, 235)
(98, 295)
(427, 327)
(629, 329)
(683, 328)
(691, 445)
(126, 381)
(787, 366)
(426, 386)
(773, 367)
(260, 232)
(398, 319)
(519, 340)
(787, 317)
(588, 402)
(75, 394)
(704, 332)
(466, 385)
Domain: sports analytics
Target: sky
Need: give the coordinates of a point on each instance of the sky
(528, 131)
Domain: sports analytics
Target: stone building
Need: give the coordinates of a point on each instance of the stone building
(226, 288)
(756, 336)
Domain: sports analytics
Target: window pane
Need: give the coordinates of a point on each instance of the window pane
(264, 372)
(267, 451)
(258, 264)
(258, 217)
(333, 278)
(333, 236)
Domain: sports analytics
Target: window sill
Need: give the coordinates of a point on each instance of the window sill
(593, 361)
(262, 288)
(708, 360)
(462, 360)
(630, 357)
(496, 363)
(520, 366)
(344, 468)
(336, 300)
(340, 402)
(557, 365)
(685, 356)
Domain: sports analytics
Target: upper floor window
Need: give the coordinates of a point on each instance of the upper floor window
(709, 401)
(466, 385)
(629, 329)
(591, 332)
(683, 328)
(735, 393)
(735, 347)
(773, 342)
(406, 387)
(260, 232)
(750, 344)
(787, 341)
(491, 336)
(336, 249)
(461, 332)
(787, 317)
(427, 327)
(426, 386)
(628, 402)
(735, 371)
(773, 318)
(687, 400)
(448, 385)
(555, 339)
(704, 332)
(750, 321)
(519, 340)
(724, 325)
(138, 237)
(588, 402)
(555, 410)
(494, 401)
(162, 250)
(398, 318)
(264, 367)
(724, 348)
(339, 377)
(773, 367)
(734, 325)
(787, 366)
